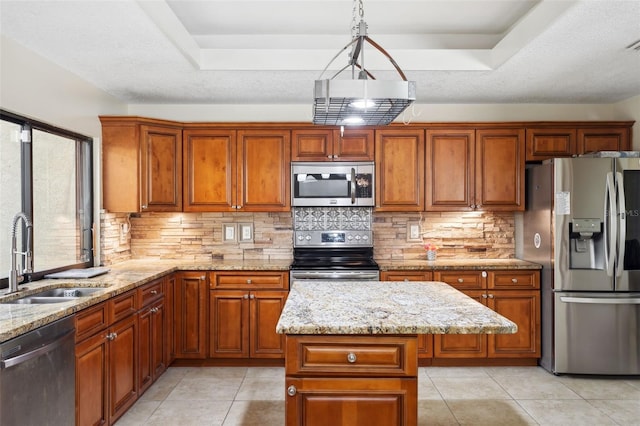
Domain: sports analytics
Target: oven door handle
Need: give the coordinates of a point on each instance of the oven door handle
(353, 185)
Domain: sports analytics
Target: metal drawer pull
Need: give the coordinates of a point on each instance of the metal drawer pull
(154, 291)
(291, 390)
(351, 357)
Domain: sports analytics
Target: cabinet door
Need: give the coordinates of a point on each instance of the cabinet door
(462, 345)
(265, 310)
(264, 170)
(500, 169)
(450, 170)
(399, 170)
(158, 340)
(190, 309)
(229, 323)
(161, 169)
(145, 348)
(353, 145)
(312, 145)
(351, 401)
(123, 366)
(92, 381)
(169, 299)
(544, 143)
(523, 308)
(603, 139)
(209, 170)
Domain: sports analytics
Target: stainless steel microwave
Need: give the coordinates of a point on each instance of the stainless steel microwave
(332, 184)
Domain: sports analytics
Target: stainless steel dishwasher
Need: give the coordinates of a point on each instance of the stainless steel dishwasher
(37, 376)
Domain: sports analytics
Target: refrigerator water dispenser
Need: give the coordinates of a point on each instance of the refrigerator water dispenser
(586, 244)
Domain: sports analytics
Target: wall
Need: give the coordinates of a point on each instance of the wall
(629, 109)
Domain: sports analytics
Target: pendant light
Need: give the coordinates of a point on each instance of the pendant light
(360, 100)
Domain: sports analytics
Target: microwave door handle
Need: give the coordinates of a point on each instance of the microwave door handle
(622, 222)
(353, 185)
(609, 245)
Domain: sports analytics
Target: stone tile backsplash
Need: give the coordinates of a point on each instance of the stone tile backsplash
(198, 236)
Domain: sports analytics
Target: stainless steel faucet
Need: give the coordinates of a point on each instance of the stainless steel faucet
(14, 277)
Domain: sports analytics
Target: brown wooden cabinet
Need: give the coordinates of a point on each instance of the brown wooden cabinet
(244, 310)
(544, 143)
(425, 341)
(475, 170)
(141, 165)
(106, 360)
(514, 294)
(399, 169)
(229, 170)
(190, 314)
(354, 380)
(603, 139)
(169, 306)
(152, 321)
(329, 145)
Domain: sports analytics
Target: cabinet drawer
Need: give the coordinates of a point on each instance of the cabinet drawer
(253, 280)
(466, 280)
(349, 356)
(514, 280)
(91, 320)
(122, 306)
(405, 276)
(150, 292)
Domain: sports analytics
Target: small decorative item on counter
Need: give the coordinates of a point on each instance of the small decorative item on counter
(432, 251)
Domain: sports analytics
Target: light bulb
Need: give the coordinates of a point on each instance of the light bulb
(354, 119)
(363, 103)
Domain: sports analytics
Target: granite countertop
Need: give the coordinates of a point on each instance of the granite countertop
(17, 319)
(373, 307)
(453, 264)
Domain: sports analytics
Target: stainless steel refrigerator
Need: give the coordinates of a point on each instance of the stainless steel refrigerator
(582, 224)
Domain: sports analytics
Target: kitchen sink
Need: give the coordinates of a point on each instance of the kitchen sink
(56, 295)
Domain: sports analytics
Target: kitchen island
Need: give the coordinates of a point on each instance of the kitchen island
(352, 346)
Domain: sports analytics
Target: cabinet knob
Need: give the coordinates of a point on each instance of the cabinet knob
(246, 296)
(203, 277)
(491, 296)
(291, 390)
(144, 206)
(252, 296)
(351, 357)
(154, 291)
(460, 280)
(484, 296)
(249, 281)
(514, 280)
(112, 336)
(329, 156)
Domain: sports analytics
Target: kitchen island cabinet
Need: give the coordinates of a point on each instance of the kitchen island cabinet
(352, 347)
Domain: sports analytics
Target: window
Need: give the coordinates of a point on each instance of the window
(46, 173)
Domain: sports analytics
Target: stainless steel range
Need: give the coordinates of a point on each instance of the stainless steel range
(333, 243)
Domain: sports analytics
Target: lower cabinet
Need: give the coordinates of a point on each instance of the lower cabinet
(190, 311)
(351, 380)
(153, 338)
(242, 322)
(106, 360)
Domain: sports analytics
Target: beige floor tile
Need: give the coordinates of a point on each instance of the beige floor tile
(535, 387)
(469, 388)
(255, 413)
(435, 413)
(456, 372)
(218, 372)
(624, 412)
(262, 389)
(565, 412)
(139, 413)
(634, 382)
(427, 390)
(601, 388)
(517, 371)
(205, 388)
(190, 413)
(163, 386)
(478, 412)
(262, 372)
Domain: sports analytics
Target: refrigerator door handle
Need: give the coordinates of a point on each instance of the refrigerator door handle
(610, 239)
(602, 300)
(622, 224)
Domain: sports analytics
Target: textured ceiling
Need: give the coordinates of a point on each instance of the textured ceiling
(270, 52)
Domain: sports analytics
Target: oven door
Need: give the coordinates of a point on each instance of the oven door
(332, 184)
(340, 275)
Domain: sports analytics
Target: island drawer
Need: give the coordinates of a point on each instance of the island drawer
(353, 356)
(250, 281)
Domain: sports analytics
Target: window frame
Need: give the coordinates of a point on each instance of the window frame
(84, 187)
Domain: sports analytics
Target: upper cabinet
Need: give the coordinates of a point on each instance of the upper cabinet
(329, 145)
(229, 170)
(141, 165)
(471, 169)
(399, 169)
(555, 140)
